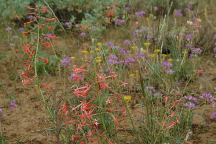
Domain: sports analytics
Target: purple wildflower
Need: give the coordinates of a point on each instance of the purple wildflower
(207, 96)
(113, 59)
(127, 42)
(119, 22)
(1, 113)
(123, 51)
(178, 13)
(140, 55)
(149, 37)
(127, 7)
(66, 61)
(167, 67)
(188, 37)
(110, 44)
(214, 50)
(166, 64)
(129, 60)
(68, 25)
(214, 37)
(21, 29)
(189, 6)
(82, 34)
(140, 13)
(196, 51)
(13, 104)
(190, 105)
(191, 98)
(31, 17)
(213, 116)
(188, 46)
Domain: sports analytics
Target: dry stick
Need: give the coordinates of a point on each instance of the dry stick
(64, 91)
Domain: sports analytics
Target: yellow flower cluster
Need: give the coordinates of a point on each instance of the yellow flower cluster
(127, 98)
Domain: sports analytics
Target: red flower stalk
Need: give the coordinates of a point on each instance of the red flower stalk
(26, 81)
(82, 91)
(101, 82)
(45, 60)
(47, 44)
(64, 108)
(86, 115)
(77, 70)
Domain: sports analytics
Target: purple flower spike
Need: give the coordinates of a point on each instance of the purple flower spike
(21, 29)
(213, 116)
(123, 51)
(66, 61)
(129, 60)
(191, 98)
(207, 97)
(110, 44)
(196, 51)
(113, 59)
(189, 37)
(178, 13)
(190, 105)
(167, 67)
(82, 34)
(166, 64)
(127, 42)
(13, 104)
(214, 37)
(68, 25)
(214, 50)
(119, 22)
(140, 55)
(140, 13)
(1, 111)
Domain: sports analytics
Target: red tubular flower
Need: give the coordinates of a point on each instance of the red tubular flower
(47, 44)
(50, 19)
(82, 91)
(101, 82)
(26, 81)
(77, 70)
(87, 115)
(27, 48)
(44, 9)
(64, 108)
(45, 60)
(86, 106)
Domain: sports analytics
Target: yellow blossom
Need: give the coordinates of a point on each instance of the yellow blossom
(147, 44)
(97, 49)
(98, 59)
(132, 75)
(85, 52)
(170, 60)
(157, 51)
(153, 55)
(127, 98)
(99, 44)
(134, 47)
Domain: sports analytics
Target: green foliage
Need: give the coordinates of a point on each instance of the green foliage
(2, 139)
(49, 68)
(9, 9)
(93, 11)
